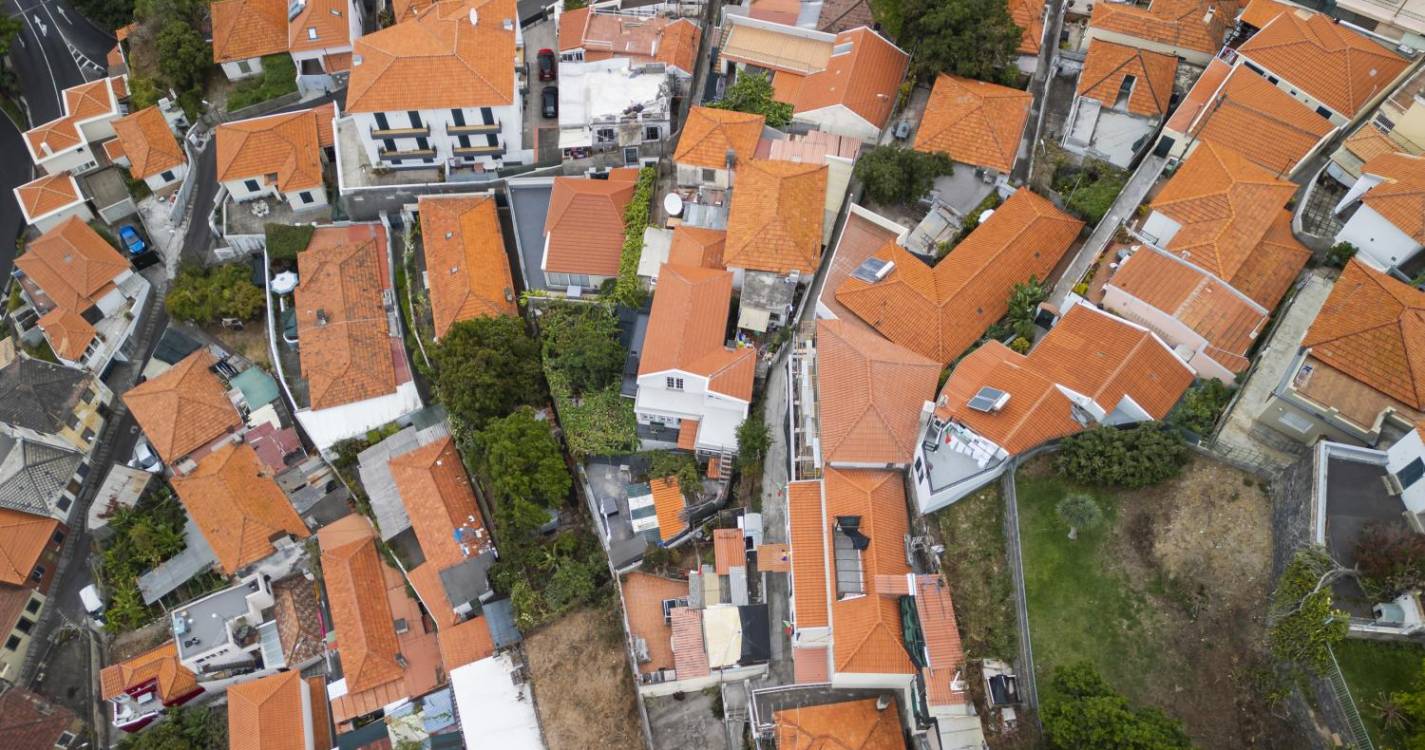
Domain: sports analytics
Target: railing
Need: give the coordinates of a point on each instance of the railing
(1360, 738)
(400, 132)
(418, 153)
(478, 129)
(479, 150)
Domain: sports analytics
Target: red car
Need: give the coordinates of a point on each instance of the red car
(547, 68)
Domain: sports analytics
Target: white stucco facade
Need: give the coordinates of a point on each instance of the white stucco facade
(431, 137)
(1379, 243)
(718, 414)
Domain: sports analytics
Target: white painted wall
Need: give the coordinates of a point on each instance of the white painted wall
(511, 134)
(328, 426)
(690, 175)
(838, 119)
(80, 209)
(1380, 243)
(1191, 55)
(157, 182)
(719, 415)
(233, 70)
(1400, 455)
(1169, 328)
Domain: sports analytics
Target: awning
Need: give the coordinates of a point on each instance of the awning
(753, 319)
(580, 138)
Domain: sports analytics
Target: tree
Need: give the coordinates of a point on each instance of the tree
(208, 295)
(524, 460)
(1402, 713)
(581, 342)
(9, 29)
(1024, 301)
(154, 542)
(752, 93)
(753, 439)
(1201, 405)
(1339, 254)
(681, 467)
(970, 38)
(1138, 456)
(1302, 624)
(486, 368)
(1079, 511)
(1391, 559)
(571, 585)
(1085, 713)
(183, 728)
(183, 57)
(895, 175)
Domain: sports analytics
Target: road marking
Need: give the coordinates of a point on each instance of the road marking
(59, 102)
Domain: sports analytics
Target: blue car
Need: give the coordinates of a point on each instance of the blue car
(132, 240)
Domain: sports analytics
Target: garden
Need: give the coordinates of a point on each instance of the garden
(278, 78)
(583, 363)
(1387, 682)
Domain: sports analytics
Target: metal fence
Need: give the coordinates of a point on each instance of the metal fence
(1341, 692)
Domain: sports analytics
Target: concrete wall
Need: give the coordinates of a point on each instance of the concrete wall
(156, 182)
(233, 70)
(80, 210)
(690, 175)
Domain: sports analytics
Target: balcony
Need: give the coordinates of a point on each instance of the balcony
(415, 153)
(477, 129)
(401, 132)
(495, 150)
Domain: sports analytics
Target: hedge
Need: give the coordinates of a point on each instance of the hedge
(284, 241)
(627, 290)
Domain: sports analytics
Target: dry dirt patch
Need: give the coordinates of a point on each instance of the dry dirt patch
(582, 686)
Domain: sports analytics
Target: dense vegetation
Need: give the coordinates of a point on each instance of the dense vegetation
(970, 38)
(143, 536)
(486, 368)
(1138, 456)
(895, 175)
(285, 241)
(1200, 407)
(752, 92)
(1089, 190)
(583, 363)
(627, 289)
(1391, 558)
(278, 78)
(182, 728)
(207, 295)
(1303, 623)
(1084, 713)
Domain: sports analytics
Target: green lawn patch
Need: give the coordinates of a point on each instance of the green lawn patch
(975, 562)
(278, 78)
(1373, 669)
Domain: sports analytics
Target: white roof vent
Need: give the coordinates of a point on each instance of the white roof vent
(474, 18)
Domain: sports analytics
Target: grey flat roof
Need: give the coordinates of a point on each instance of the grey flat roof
(206, 619)
(195, 558)
(374, 468)
(529, 206)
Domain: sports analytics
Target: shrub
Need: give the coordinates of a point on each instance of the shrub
(581, 343)
(753, 439)
(206, 296)
(752, 93)
(1198, 411)
(1089, 191)
(285, 241)
(627, 290)
(1391, 559)
(1135, 457)
(1339, 254)
(1303, 623)
(1084, 713)
(681, 467)
(895, 175)
(278, 78)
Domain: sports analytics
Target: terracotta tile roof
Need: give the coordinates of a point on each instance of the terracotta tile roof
(328, 18)
(848, 725)
(776, 219)
(1270, 270)
(1225, 204)
(697, 246)
(974, 122)
(784, 12)
(870, 393)
(67, 332)
(1107, 65)
(159, 664)
(688, 434)
(643, 596)
(338, 62)
(84, 102)
(1400, 198)
(55, 135)
(244, 29)
(708, 134)
(942, 641)
(31, 721)
(1198, 25)
(438, 60)
(1372, 328)
(360, 610)
(346, 343)
(868, 628)
(678, 45)
(865, 79)
(585, 225)
(669, 505)
(811, 666)
(642, 39)
(729, 551)
(939, 312)
(440, 502)
(45, 195)
(807, 538)
(842, 15)
(1202, 302)
(1369, 141)
(773, 558)
(1028, 15)
(690, 655)
(237, 505)
(266, 713)
(286, 145)
(1259, 12)
(1333, 64)
(183, 409)
(23, 538)
(1089, 352)
(1261, 121)
(860, 239)
(149, 144)
(1203, 92)
(72, 264)
(465, 643)
(466, 265)
(571, 28)
(686, 329)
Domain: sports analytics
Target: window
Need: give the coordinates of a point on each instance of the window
(605, 135)
(83, 470)
(651, 133)
(381, 123)
(38, 573)
(33, 606)
(251, 185)
(63, 504)
(709, 175)
(415, 118)
(244, 67)
(463, 141)
(167, 175)
(458, 117)
(848, 543)
(423, 143)
(89, 435)
(58, 537)
(1324, 112)
(1411, 473)
(25, 626)
(307, 197)
(13, 643)
(487, 115)
(675, 384)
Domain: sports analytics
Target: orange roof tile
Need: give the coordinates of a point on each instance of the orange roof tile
(1372, 328)
(871, 391)
(441, 504)
(67, 332)
(773, 558)
(1107, 65)
(466, 265)
(584, 226)
(465, 643)
(267, 713)
(1400, 198)
(160, 664)
(939, 312)
(708, 134)
(237, 505)
(974, 122)
(807, 537)
(776, 219)
(1272, 268)
(1198, 25)
(690, 655)
(1202, 302)
(729, 550)
(1369, 141)
(1203, 92)
(286, 145)
(848, 725)
(868, 628)
(360, 610)
(642, 39)
(149, 144)
(777, 11)
(23, 538)
(811, 666)
(865, 79)
(686, 329)
(1261, 121)
(347, 348)
(697, 246)
(52, 137)
(1089, 352)
(1259, 13)
(669, 506)
(571, 28)
(942, 641)
(72, 264)
(183, 409)
(244, 29)
(678, 45)
(83, 102)
(45, 195)
(860, 239)
(688, 434)
(643, 596)
(438, 60)
(1028, 15)
(1337, 66)
(320, 25)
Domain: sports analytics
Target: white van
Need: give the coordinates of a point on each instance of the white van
(89, 597)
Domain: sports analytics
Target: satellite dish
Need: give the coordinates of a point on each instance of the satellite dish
(673, 204)
(284, 283)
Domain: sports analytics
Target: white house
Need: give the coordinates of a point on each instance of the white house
(146, 145)
(1388, 226)
(279, 156)
(47, 201)
(66, 143)
(318, 34)
(693, 390)
(448, 95)
(612, 104)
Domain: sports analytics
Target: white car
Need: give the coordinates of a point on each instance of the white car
(144, 457)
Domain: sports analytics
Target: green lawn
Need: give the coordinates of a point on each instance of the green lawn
(974, 562)
(1078, 607)
(278, 78)
(1373, 669)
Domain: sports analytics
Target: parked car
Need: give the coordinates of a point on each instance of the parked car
(131, 239)
(550, 101)
(547, 69)
(93, 604)
(144, 457)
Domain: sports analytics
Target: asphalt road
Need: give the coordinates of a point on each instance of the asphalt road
(15, 170)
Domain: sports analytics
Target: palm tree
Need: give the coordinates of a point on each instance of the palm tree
(1079, 511)
(1391, 714)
